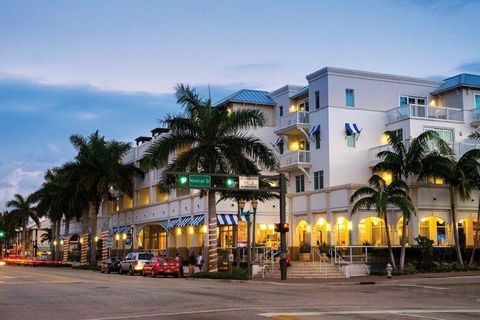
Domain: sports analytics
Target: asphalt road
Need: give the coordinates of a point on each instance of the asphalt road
(45, 293)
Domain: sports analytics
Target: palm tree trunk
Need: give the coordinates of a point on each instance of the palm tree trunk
(403, 244)
(212, 232)
(67, 237)
(25, 234)
(453, 207)
(57, 251)
(54, 230)
(389, 243)
(93, 233)
(475, 242)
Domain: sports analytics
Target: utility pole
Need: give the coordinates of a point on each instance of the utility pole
(283, 234)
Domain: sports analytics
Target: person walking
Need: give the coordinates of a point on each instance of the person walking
(192, 261)
(179, 258)
(200, 262)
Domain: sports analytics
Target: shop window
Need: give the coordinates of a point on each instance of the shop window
(226, 236)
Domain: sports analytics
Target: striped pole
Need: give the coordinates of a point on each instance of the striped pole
(105, 235)
(66, 248)
(84, 252)
(212, 245)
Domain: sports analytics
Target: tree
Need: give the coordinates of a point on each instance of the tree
(24, 210)
(405, 160)
(215, 141)
(458, 175)
(100, 171)
(476, 182)
(47, 236)
(381, 196)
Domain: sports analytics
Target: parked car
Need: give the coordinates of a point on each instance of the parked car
(133, 262)
(161, 266)
(110, 265)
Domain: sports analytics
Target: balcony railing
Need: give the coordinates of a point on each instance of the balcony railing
(292, 119)
(426, 112)
(301, 157)
(129, 157)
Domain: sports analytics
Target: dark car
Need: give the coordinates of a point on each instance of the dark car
(111, 264)
(161, 266)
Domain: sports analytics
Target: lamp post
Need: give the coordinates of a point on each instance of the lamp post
(247, 214)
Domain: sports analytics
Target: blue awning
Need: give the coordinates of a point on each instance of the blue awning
(278, 142)
(122, 229)
(173, 223)
(184, 222)
(114, 230)
(197, 220)
(348, 129)
(315, 130)
(229, 219)
(357, 131)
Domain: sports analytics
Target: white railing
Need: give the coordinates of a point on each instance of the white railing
(476, 115)
(426, 112)
(295, 158)
(461, 148)
(315, 252)
(292, 119)
(140, 150)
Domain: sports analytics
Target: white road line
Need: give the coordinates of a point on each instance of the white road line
(422, 286)
(423, 317)
(364, 312)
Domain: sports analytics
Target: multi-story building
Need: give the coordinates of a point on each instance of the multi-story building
(326, 135)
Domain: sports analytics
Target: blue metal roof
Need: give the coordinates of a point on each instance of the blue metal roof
(461, 80)
(248, 96)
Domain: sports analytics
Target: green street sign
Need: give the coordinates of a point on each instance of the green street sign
(200, 181)
(182, 181)
(2, 234)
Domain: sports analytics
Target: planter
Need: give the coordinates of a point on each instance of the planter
(305, 256)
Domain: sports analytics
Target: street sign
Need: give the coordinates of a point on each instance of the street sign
(248, 183)
(200, 181)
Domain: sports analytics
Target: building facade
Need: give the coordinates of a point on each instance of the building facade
(326, 135)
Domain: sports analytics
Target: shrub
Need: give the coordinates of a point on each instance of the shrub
(410, 268)
(426, 248)
(305, 248)
(87, 267)
(236, 274)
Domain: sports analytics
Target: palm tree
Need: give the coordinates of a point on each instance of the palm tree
(459, 176)
(23, 209)
(404, 161)
(476, 182)
(47, 236)
(382, 195)
(217, 142)
(100, 171)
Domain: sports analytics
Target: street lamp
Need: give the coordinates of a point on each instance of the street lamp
(241, 205)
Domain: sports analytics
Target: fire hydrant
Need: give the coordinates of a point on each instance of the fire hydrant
(389, 270)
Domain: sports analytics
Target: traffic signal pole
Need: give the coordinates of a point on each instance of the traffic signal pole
(283, 234)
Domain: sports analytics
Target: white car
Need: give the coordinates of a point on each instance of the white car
(133, 262)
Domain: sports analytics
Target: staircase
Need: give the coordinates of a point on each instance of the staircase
(302, 270)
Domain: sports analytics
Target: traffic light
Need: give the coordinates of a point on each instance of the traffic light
(281, 227)
(2, 234)
(182, 181)
(230, 182)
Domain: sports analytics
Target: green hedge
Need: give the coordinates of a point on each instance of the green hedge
(87, 267)
(236, 274)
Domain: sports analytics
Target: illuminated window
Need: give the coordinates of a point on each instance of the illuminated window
(161, 196)
(127, 202)
(143, 197)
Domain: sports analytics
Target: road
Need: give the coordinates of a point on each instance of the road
(47, 293)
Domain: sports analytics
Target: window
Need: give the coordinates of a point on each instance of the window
(317, 140)
(399, 133)
(317, 99)
(350, 141)
(445, 134)
(417, 106)
(300, 183)
(349, 98)
(280, 148)
(318, 180)
(280, 111)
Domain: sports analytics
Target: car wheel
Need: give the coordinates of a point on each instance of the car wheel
(143, 273)
(108, 270)
(120, 271)
(131, 272)
(152, 274)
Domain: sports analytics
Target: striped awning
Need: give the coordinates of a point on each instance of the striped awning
(184, 221)
(122, 229)
(197, 220)
(173, 223)
(315, 130)
(228, 219)
(114, 230)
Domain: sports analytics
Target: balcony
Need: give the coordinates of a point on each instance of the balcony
(416, 111)
(292, 123)
(299, 158)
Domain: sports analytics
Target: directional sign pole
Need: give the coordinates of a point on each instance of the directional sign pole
(283, 234)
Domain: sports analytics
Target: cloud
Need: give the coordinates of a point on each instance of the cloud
(470, 67)
(19, 181)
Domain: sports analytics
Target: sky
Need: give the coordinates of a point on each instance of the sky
(72, 67)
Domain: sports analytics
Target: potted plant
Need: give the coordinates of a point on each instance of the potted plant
(305, 249)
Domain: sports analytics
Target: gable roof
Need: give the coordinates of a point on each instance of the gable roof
(248, 96)
(461, 80)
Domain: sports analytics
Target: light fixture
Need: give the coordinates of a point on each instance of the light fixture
(254, 204)
(329, 227)
(54, 242)
(117, 237)
(204, 229)
(263, 227)
(271, 226)
(309, 229)
(96, 238)
(350, 226)
(179, 231)
(241, 204)
(321, 221)
(340, 220)
(190, 230)
(81, 240)
(124, 236)
(61, 242)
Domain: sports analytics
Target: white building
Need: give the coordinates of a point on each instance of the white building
(327, 135)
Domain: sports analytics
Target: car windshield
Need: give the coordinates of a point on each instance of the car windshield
(145, 256)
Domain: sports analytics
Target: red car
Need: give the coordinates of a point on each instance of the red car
(161, 266)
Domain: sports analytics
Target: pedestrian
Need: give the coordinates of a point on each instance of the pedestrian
(200, 262)
(192, 261)
(179, 258)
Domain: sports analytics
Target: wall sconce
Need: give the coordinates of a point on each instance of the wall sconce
(117, 237)
(179, 231)
(190, 230)
(124, 236)
(204, 229)
(61, 242)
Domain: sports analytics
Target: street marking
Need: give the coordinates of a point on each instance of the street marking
(424, 317)
(422, 286)
(364, 312)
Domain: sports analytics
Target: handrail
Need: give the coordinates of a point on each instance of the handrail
(323, 261)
